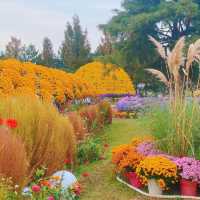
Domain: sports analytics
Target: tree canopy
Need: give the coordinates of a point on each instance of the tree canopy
(166, 20)
(75, 49)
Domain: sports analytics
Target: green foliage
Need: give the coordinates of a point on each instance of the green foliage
(75, 49)
(162, 121)
(89, 150)
(47, 56)
(165, 20)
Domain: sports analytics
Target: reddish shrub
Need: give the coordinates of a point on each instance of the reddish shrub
(91, 117)
(78, 124)
(13, 160)
(105, 112)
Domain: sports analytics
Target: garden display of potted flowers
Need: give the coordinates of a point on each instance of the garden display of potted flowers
(189, 169)
(126, 160)
(158, 172)
(128, 165)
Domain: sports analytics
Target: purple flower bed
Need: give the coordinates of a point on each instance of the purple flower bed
(189, 168)
(113, 95)
(130, 103)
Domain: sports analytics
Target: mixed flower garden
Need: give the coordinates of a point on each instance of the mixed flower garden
(50, 122)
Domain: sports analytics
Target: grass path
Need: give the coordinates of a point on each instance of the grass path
(101, 184)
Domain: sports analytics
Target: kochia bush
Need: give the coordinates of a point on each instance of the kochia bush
(48, 136)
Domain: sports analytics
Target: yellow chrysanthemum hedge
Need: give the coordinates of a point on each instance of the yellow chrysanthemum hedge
(50, 84)
(106, 78)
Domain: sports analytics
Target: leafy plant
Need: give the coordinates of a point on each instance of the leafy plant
(89, 150)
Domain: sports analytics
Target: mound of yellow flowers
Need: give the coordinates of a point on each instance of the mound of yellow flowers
(106, 78)
(50, 84)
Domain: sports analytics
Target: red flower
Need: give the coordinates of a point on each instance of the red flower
(11, 123)
(77, 189)
(85, 174)
(36, 188)
(67, 162)
(51, 198)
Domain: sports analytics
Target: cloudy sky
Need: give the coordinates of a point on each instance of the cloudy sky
(31, 20)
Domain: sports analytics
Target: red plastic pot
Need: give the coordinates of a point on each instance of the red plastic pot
(133, 179)
(188, 188)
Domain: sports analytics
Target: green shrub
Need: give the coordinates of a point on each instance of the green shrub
(89, 151)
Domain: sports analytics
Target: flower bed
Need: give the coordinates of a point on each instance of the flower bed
(143, 166)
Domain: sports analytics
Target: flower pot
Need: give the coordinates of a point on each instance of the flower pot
(153, 187)
(133, 179)
(188, 188)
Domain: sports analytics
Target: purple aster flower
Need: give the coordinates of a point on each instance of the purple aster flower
(189, 168)
(147, 149)
(130, 103)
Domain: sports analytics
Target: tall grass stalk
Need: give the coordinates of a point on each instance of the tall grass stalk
(178, 81)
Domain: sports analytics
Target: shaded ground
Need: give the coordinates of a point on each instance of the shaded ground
(101, 184)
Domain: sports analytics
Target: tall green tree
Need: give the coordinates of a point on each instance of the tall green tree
(75, 49)
(166, 20)
(47, 56)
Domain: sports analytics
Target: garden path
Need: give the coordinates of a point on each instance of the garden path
(101, 184)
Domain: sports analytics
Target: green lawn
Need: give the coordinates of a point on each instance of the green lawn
(102, 185)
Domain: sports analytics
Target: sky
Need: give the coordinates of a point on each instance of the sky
(32, 20)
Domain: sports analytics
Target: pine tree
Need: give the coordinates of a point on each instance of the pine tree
(75, 49)
(47, 56)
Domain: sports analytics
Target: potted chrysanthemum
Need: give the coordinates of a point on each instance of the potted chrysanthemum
(128, 165)
(158, 173)
(126, 160)
(189, 169)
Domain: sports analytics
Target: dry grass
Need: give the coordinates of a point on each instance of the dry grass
(78, 125)
(48, 136)
(13, 160)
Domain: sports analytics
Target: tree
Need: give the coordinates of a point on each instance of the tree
(14, 48)
(165, 20)
(75, 49)
(29, 54)
(47, 57)
(106, 45)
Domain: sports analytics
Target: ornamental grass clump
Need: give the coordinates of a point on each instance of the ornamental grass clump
(164, 171)
(177, 79)
(47, 135)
